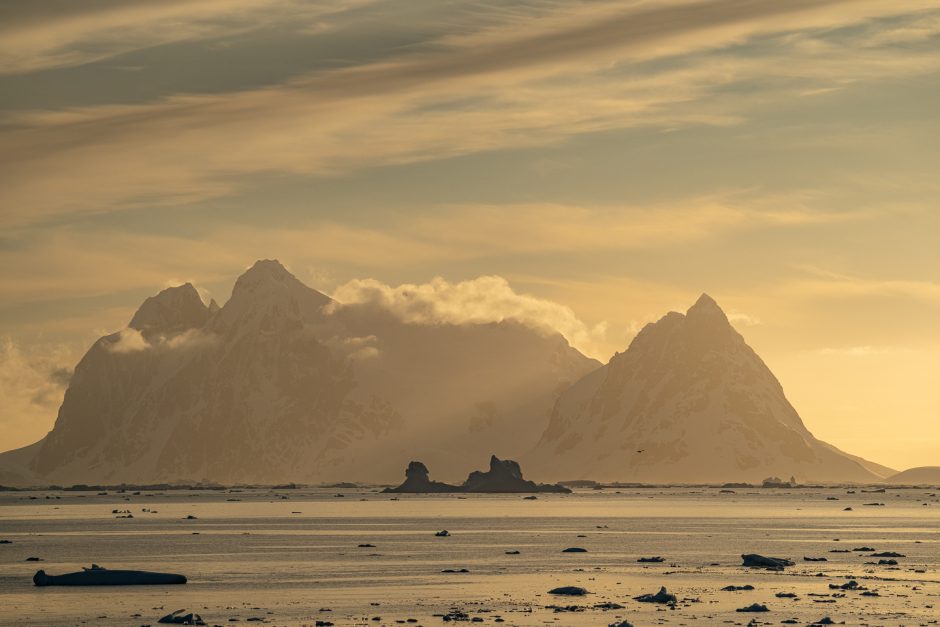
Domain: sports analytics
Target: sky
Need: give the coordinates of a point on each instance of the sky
(592, 164)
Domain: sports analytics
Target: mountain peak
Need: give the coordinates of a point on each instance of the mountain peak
(706, 308)
(264, 274)
(268, 265)
(173, 310)
(705, 302)
(267, 269)
(267, 286)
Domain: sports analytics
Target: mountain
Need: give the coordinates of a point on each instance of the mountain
(922, 475)
(689, 401)
(282, 384)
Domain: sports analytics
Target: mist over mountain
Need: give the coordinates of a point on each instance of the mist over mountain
(284, 384)
(688, 401)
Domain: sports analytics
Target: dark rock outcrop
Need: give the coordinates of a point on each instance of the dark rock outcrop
(663, 596)
(848, 585)
(418, 482)
(504, 476)
(182, 617)
(753, 560)
(569, 591)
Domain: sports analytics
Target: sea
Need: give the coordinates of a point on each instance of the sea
(341, 556)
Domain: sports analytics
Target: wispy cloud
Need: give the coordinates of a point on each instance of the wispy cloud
(824, 283)
(42, 35)
(32, 383)
(486, 90)
(133, 341)
(738, 317)
(862, 351)
(66, 262)
(128, 341)
(543, 227)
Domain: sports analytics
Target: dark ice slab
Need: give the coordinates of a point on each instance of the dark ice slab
(98, 576)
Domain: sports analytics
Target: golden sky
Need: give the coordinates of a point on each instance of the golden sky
(596, 163)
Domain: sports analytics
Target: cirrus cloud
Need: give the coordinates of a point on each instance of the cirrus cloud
(475, 93)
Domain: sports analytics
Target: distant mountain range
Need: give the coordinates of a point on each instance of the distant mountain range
(923, 475)
(283, 384)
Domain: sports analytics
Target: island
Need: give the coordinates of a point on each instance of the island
(504, 476)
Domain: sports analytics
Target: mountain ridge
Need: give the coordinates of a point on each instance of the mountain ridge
(281, 383)
(688, 399)
(284, 384)
(920, 475)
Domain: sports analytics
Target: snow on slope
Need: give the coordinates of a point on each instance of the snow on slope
(689, 401)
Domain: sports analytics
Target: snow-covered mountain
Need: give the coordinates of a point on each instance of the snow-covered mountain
(284, 384)
(689, 401)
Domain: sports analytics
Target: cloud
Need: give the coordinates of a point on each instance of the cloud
(133, 341)
(486, 299)
(66, 263)
(827, 284)
(61, 375)
(737, 317)
(39, 36)
(551, 227)
(128, 341)
(862, 351)
(919, 28)
(490, 89)
(32, 383)
(362, 348)
(189, 340)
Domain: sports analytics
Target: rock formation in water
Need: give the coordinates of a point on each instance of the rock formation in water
(663, 596)
(753, 560)
(284, 384)
(417, 482)
(689, 401)
(504, 476)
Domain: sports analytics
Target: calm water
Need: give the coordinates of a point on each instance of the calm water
(287, 561)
